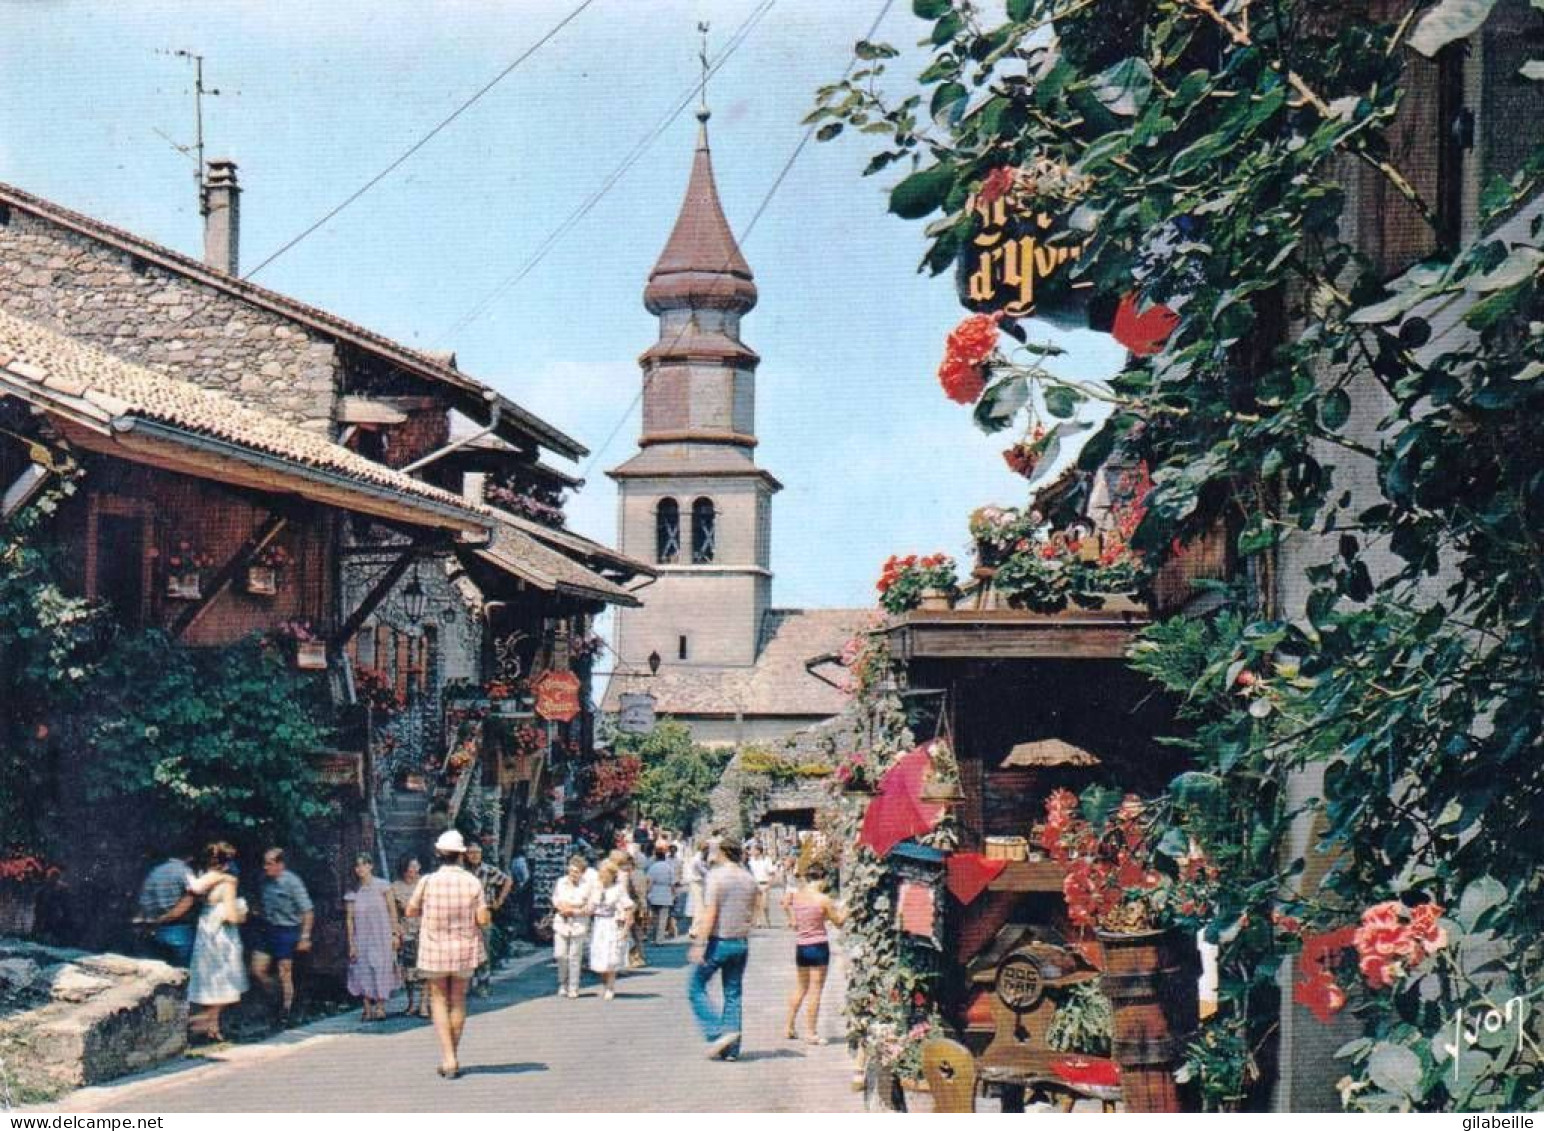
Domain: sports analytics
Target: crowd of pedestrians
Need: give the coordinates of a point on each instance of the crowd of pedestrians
(429, 933)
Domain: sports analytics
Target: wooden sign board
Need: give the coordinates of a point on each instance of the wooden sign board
(1019, 262)
(637, 713)
(557, 696)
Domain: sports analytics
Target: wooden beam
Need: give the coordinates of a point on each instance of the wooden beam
(238, 561)
(377, 594)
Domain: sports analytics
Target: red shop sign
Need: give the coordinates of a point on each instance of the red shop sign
(557, 696)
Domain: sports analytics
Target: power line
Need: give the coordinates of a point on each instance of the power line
(766, 200)
(428, 137)
(633, 156)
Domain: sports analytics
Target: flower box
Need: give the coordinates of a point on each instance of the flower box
(311, 655)
(185, 586)
(262, 581)
(936, 600)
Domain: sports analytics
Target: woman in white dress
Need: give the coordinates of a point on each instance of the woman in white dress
(217, 976)
(610, 926)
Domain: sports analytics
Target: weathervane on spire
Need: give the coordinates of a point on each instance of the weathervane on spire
(703, 113)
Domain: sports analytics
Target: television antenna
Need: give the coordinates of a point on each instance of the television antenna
(195, 151)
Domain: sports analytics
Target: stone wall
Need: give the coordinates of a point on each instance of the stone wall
(175, 325)
(69, 1018)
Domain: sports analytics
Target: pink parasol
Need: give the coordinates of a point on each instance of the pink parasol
(898, 813)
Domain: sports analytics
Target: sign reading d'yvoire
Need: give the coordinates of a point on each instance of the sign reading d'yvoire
(1013, 261)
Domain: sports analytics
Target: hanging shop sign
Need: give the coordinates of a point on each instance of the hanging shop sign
(557, 696)
(637, 713)
(1019, 262)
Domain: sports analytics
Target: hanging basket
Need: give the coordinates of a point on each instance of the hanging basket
(942, 792)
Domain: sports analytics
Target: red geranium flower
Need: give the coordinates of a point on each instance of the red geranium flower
(974, 339)
(998, 184)
(963, 382)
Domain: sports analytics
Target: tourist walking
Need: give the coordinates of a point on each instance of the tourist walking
(721, 946)
(496, 885)
(572, 900)
(809, 909)
(638, 888)
(452, 911)
(287, 916)
(409, 871)
(167, 909)
(216, 975)
(370, 922)
(762, 869)
(662, 891)
(611, 925)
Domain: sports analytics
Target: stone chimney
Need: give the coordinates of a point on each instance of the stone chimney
(222, 216)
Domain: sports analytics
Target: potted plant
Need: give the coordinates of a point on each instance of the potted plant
(185, 571)
(374, 688)
(943, 780)
(263, 573)
(1130, 890)
(997, 533)
(23, 875)
(913, 582)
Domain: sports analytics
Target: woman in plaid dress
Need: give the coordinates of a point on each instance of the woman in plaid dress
(452, 912)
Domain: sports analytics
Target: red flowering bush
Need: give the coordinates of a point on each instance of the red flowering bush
(903, 580)
(615, 779)
(969, 347)
(375, 688)
(1394, 939)
(1116, 877)
(20, 866)
(856, 774)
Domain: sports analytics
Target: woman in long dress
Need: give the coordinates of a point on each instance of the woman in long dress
(612, 923)
(370, 919)
(408, 872)
(217, 977)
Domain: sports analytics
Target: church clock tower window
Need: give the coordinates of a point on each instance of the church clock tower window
(667, 532)
(704, 531)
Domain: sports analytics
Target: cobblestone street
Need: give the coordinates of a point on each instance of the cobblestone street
(528, 1050)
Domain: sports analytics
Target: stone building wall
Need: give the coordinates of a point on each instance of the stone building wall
(169, 323)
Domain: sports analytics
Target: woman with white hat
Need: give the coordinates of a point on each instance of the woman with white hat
(451, 906)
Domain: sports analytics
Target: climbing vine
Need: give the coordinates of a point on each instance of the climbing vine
(1281, 389)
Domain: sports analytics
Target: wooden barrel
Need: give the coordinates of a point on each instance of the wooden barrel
(1150, 979)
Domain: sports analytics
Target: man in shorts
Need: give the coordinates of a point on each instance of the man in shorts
(287, 920)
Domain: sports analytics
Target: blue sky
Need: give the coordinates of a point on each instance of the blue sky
(319, 97)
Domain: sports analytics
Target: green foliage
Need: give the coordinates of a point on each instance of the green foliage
(217, 741)
(1083, 1021)
(677, 774)
(778, 767)
(1215, 149)
(46, 645)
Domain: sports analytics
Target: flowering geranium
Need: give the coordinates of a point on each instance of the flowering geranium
(1108, 853)
(21, 866)
(969, 347)
(273, 556)
(1394, 939)
(855, 774)
(375, 688)
(188, 557)
(903, 579)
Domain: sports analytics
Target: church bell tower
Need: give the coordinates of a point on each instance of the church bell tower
(692, 500)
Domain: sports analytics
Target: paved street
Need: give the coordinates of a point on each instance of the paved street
(528, 1050)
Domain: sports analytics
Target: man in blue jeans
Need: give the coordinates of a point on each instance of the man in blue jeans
(720, 945)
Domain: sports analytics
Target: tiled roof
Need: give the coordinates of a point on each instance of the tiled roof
(566, 541)
(520, 555)
(435, 367)
(100, 390)
(778, 683)
(715, 460)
